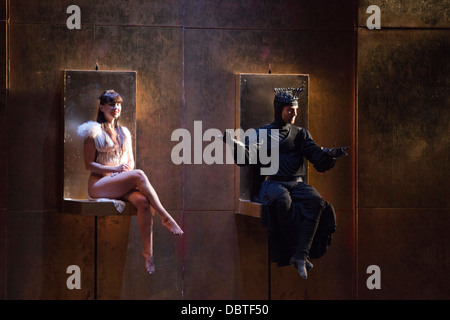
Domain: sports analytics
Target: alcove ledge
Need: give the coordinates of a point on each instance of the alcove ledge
(96, 208)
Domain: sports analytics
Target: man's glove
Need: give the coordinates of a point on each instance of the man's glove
(336, 152)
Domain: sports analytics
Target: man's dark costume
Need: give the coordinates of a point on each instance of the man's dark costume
(298, 220)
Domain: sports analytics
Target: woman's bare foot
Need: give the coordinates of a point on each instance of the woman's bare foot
(149, 263)
(170, 224)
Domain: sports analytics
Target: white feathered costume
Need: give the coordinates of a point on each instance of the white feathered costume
(107, 152)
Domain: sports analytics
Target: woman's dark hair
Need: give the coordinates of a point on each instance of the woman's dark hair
(111, 97)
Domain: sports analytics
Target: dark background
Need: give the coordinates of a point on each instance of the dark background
(382, 92)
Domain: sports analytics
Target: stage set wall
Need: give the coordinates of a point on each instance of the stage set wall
(382, 92)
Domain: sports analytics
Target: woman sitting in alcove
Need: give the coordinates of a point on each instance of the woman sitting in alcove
(108, 155)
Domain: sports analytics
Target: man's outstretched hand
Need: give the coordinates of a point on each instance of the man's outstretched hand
(337, 152)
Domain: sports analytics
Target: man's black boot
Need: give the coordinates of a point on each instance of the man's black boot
(308, 265)
(300, 265)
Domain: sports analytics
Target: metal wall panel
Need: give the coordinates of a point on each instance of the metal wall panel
(410, 246)
(41, 246)
(271, 15)
(99, 12)
(38, 55)
(403, 119)
(407, 13)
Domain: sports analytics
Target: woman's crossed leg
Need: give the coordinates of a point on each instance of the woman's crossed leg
(115, 186)
(134, 186)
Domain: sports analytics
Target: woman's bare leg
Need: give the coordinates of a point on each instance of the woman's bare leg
(147, 189)
(118, 185)
(145, 223)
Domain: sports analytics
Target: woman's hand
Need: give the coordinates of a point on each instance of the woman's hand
(123, 167)
(120, 168)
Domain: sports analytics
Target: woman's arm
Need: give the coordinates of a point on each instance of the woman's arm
(128, 148)
(130, 155)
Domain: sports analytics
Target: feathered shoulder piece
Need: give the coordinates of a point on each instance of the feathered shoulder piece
(89, 129)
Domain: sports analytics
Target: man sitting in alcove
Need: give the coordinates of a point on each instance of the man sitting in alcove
(292, 210)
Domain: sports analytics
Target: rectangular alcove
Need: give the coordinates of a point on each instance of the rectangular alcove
(81, 91)
(254, 109)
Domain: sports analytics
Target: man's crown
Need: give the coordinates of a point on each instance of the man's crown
(287, 95)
